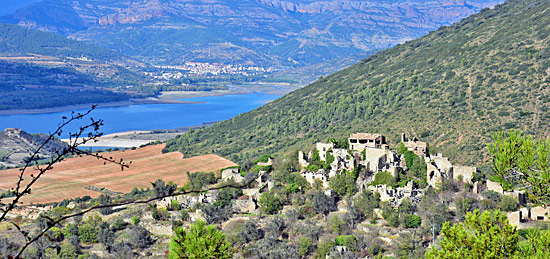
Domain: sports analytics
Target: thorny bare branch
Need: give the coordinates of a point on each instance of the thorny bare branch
(53, 222)
(75, 141)
(87, 133)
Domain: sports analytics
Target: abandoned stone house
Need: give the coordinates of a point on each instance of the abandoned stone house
(380, 159)
(395, 196)
(12, 132)
(320, 175)
(360, 141)
(439, 168)
(188, 201)
(247, 203)
(231, 173)
(420, 148)
(524, 217)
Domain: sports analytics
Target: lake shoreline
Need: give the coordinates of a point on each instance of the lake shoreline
(167, 97)
(89, 105)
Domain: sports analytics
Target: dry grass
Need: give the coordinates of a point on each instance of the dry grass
(68, 179)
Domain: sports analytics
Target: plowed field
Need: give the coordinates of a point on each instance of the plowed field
(68, 179)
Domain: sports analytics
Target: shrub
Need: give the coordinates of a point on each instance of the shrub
(118, 224)
(412, 221)
(199, 179)
(343, 184)
(262, 159)
(135, 220)
(305, 246)
(160, 214)
(346, 240)
(321, 203)
(323, 248)
(269, 203)
(508, 203)
(312, 168)
(87, 233)
(383, 178)
(140, 237)
(105, 200)
(482, 235)
(492, 195)
(366, 201)
(174, 205)
(336, 225)
(200, 241)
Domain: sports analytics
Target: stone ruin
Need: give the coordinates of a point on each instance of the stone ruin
(370, 151)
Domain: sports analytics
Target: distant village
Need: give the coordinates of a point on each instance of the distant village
(372, 153)
(199, 69)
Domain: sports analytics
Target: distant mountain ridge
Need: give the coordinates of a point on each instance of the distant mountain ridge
(43, 70)
(452, 88)
(265, 32)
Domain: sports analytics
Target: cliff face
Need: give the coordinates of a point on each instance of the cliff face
(263, 32)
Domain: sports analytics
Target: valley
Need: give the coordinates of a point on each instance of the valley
(267, 129)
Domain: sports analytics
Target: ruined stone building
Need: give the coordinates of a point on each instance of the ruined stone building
(439, 167)
(371, 153)
(420, 148)
(360, 141)
(395, 196)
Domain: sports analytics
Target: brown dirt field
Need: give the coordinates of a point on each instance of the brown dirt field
(68, 179)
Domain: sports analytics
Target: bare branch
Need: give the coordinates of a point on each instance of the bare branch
(53, 223)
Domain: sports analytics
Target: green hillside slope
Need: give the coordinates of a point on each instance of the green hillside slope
(20, 40)
(453, 87)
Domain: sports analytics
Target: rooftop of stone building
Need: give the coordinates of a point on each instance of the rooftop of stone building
(417, 143)
(365, 136)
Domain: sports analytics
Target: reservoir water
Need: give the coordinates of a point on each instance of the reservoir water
(146, 116)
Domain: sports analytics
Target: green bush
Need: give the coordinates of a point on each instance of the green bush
(312, 168)
(200, 241)
(508, 203)
(262, 159)
(87, 233)
(343, 184)
(323, 248)
(383, 178)
(412, 221)
(346, 240)
(135, 220)
(269, 203)
(305, 246)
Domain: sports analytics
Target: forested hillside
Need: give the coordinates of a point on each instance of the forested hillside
(452, 88)
(16, 39)
(43, 70)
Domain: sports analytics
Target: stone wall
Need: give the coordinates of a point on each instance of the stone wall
(302, 160)
(232, 173)
(466, 172)
(322, 148)
(494, 186)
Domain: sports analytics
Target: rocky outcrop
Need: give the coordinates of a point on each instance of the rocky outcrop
(16, 144)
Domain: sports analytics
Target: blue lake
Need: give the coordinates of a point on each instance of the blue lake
(146, 116)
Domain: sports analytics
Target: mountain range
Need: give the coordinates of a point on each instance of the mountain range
(272, 33)
(452, 88)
